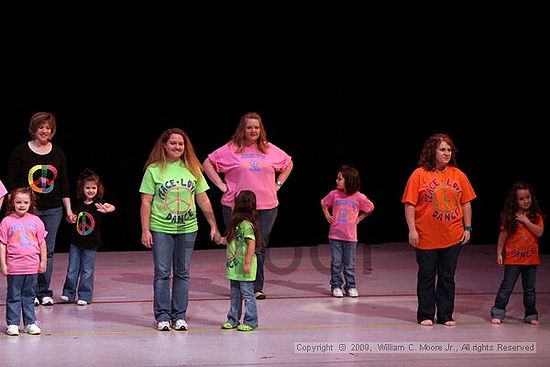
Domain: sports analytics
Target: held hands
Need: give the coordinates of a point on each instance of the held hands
(71, 218)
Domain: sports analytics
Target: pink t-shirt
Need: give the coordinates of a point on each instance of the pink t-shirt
(22, 237)
(3, 190)
(250, 170)
(345, 210)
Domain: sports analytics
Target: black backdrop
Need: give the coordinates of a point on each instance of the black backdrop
(333, 89)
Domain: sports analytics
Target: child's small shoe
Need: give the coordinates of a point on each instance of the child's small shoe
(81, 302)
(337, 292)
(352, 292)
(228, 326)
(496, 321)
(244, 327)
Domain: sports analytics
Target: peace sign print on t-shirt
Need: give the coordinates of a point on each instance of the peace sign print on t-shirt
(85, 223)
(42, 178)
(178, 200)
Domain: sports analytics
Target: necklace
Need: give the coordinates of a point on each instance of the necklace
(441, 170)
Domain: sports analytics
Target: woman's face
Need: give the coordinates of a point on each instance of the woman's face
(43, 134)
(252, 130)
(443, 155)
(174, 147)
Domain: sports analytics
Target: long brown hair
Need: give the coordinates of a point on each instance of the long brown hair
(24, 191)
(508, 215)
(427, 156)
(245, 209)
(239, 136)
(158, 154)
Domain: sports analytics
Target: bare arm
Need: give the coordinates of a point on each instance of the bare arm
(283, 176)
(467, 220)
(500, 246)
(71, 217)
(409, 217)
(249, 253)
(532, 227)
(3, 263)
(213, 175)
(43, 257)
(328, 216)
(145, 215)
(206, 207)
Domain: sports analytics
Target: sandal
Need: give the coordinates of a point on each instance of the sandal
(244, 327)
(450, 323)
(228, 326)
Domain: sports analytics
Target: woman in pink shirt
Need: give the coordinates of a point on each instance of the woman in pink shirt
(249, 162)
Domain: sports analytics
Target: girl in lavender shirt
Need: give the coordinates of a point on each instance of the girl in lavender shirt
(349, 207)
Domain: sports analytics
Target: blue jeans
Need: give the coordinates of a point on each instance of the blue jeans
(80, 271)
(20, 297)
(267, 220)
(511, 275)
(52, 219)
(342, 260)
(241, 290)
(171, 251)
(440, 263)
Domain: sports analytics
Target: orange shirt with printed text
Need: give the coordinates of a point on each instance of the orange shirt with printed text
(438, 198)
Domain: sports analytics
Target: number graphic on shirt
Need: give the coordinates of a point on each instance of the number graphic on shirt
(42, 178)
(85, 223)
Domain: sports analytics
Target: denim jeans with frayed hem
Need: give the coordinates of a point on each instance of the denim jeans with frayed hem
(342, 261)
(511, 274)
(80, 273)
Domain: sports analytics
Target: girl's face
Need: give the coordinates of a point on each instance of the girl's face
(90, 189)
(252, 130)
(21, 203)
(174, 147)
(524, 199)
(43, 134)
(443, 155)
(340, 182)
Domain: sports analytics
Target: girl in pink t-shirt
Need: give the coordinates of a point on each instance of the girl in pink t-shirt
(349, 207)
(22, 257)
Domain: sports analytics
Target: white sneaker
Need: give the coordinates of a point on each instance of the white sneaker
(64, 298)
(47, 301)
(32, 329)
(36, 302)
(12, 330)
(181, 325)
(337, 292)
(352, 292)
(163, 326)
(81, 302)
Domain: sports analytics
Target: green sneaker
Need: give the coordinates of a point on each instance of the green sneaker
(228, 325)
(244, 327)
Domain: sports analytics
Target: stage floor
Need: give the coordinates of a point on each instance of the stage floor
(377, 329)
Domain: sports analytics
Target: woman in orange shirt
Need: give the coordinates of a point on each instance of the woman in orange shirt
(439, 216)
